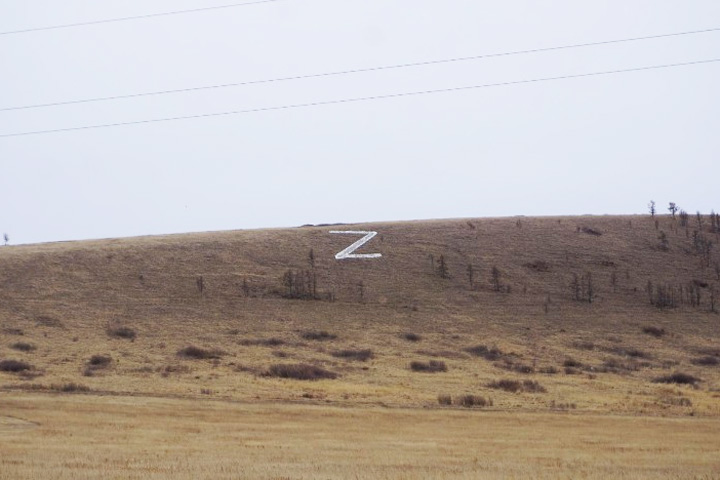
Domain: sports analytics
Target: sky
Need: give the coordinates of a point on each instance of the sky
(604, 144)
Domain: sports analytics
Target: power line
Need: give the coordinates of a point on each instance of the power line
(353, 71)
(358, 99)
(137, 17)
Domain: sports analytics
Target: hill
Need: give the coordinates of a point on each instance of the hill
(593, 314)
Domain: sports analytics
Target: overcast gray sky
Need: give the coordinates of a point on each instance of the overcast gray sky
(595, 145)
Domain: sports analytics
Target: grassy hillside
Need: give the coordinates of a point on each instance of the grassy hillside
(583, 313)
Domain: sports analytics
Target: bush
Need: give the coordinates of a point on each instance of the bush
(300, 371)
(99, 361)
(678, 378)
(654, 331)
(548, 370)
(469, 401)
(198, 353)
(512, 386)
(14, 366)
(360, 355)
(707, 361)
(433, 366)
(23, 347)
(70, 388)
(490, 354)
(122, 332)
(572, 363)
(444, 399)
(318, 335)
(515, 386)
(533, 387)
(411, 337)
(508, 364)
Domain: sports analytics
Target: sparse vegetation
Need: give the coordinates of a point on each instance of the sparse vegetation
(263, 342)
(300, 371)
(488, 353)
(470, 401)
(411, 337)
(321, 335)
(71, 387)
(678, 378)
(14, 366)
(517, 386)
(654, 331)
(23, 346)
(707, 361)
(433, 366)
(122, 332)
(359, 355)
(199, 353)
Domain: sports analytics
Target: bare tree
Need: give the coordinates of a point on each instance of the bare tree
(651, 206)
(442, 269)
(471, 276)
(6, 237)
(673, 208)
(495, 279)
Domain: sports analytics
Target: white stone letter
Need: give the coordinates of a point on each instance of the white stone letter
(348, 252)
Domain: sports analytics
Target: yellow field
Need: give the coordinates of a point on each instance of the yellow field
(79, 437)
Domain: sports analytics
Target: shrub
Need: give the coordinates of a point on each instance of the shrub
(628, 352)
(13, 331)
(654, 331)
(23, 347)
(469, 401)
(321, 335)
(433, 366)
(70, 388)
(199, 353)
(360, 355)
(99, 361)
(14, 366)
(572, 363)
(513, 386)
(411, 337)
(508, 364)
(707, 361)
(490, 354)
(444, 399)
(678, 378)
(122, 332)
(548, 370)
(300, 371)
(532, 386)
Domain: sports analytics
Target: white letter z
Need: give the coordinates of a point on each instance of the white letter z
(348, 252)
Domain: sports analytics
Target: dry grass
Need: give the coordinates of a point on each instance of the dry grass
(84, 437)
(67, 298)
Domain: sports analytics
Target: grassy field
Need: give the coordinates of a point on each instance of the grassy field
(588, 325)
(142, 438)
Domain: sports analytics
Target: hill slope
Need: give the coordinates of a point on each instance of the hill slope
(589, 309)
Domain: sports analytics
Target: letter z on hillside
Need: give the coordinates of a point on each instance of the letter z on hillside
(348, 252)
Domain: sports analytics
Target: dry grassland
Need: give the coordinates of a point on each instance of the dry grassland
(86, 437)
(117, 347)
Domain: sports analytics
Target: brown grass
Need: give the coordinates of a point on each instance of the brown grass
(85, 436)
(47, 294)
